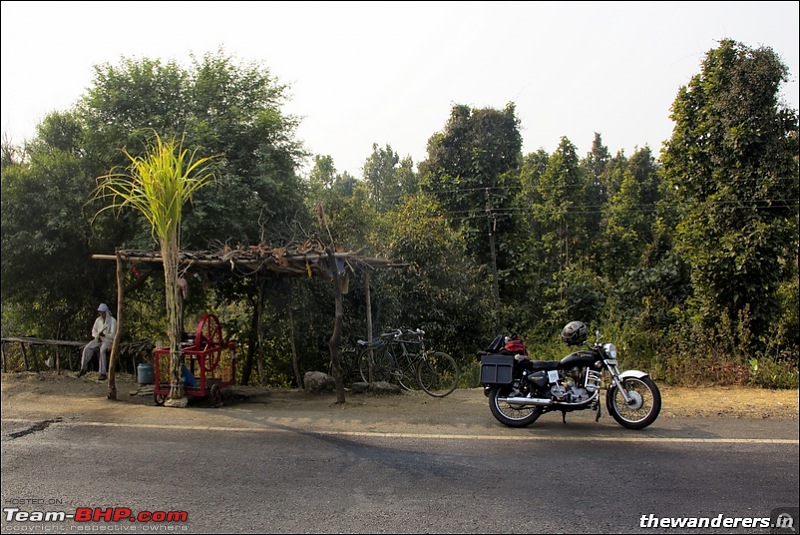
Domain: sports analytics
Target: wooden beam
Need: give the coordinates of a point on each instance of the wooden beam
(251, 262)
(43, 342)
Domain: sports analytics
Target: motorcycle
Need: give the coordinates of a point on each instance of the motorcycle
(520, 390)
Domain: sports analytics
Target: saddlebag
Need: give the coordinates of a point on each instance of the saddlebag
(497, 369)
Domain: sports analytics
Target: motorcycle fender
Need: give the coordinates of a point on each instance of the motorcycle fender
(632, 373)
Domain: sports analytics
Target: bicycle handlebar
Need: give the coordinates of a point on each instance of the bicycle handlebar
(399, 333)
(392, 334)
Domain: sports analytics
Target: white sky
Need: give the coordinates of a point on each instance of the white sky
(389, 72)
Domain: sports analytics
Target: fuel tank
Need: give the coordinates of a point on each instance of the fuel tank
(580, 359)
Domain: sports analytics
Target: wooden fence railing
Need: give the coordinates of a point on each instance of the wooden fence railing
(38, 354)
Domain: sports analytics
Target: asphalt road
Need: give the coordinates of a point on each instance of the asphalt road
(248, 469)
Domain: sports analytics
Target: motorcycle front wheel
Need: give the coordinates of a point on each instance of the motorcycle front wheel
(511, 414)
(644, 405)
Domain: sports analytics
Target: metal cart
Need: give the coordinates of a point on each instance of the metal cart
(209, 359)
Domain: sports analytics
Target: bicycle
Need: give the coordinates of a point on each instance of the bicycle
(401, 355)
(350, 358)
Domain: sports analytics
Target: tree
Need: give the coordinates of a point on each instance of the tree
(630, 214)
(560, 210)
(479, 150)
(441, 289)
(523, 277)
(48, 277)
(596, 162)
(389, 178)
(218, 106)
(558, 244)
(379, 173)
(472, 170)
(157, 185)
(323, 176)
(732, 161)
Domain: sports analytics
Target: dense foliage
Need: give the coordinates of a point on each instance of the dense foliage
(688, 258)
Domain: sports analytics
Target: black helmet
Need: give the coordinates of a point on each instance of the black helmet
(574, 333)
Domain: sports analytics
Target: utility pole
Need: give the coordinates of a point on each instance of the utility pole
(492, 221)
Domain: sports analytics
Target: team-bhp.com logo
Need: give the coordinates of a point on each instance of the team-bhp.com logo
(95, 514)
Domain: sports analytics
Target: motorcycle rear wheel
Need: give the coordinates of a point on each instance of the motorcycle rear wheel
(511, 414)
(645, 406)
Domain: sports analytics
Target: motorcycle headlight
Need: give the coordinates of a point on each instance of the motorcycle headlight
(611, 350)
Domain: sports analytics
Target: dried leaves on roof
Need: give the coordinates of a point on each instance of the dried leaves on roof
(306, 259)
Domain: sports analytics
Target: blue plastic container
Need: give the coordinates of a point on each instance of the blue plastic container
(144, 374)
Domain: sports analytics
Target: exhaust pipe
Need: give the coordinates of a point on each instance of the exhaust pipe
(542, 402)
(539, 402)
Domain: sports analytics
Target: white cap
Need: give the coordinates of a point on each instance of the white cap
(103, 308)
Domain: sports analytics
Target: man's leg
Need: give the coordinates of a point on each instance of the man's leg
(102, 359)
(88, 352)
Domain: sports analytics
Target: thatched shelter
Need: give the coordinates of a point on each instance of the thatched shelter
(313, 258)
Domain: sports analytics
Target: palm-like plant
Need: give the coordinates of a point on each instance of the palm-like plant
(157, 185)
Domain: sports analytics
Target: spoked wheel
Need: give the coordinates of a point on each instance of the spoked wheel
(407, 372)
(438, 374)
(643, 406)
(381, 367)
(209, 338)
(511, 414)
(215, 395)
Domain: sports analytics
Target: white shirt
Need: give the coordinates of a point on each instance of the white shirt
(104, 329)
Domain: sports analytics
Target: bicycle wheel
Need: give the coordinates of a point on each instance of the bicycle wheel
(381, 367)
(407, 371)
(438, 374)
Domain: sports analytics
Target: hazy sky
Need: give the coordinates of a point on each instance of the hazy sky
(389, 72)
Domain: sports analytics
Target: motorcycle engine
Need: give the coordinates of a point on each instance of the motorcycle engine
(568, 392)
(575, 373)
(559, 393)
(577, 393)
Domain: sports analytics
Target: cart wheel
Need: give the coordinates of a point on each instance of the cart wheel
(159, 399)
(210, 332)
(209, 336)
(216, 395)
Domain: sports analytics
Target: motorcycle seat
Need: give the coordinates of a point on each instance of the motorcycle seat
(544, 365)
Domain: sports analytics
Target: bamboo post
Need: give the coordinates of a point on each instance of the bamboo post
(112, 365)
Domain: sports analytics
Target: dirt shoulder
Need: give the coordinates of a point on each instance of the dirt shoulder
(30, 395)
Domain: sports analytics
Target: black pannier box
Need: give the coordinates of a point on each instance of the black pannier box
(497, 369)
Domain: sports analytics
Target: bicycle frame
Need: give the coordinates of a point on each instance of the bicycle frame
(405, 359)
(401, 356)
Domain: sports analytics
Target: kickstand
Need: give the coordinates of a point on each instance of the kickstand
(597, 417)
(563, 417)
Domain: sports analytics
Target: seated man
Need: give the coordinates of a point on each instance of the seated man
(103, 331)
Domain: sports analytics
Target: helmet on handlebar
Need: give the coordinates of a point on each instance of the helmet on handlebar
(574, 333)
